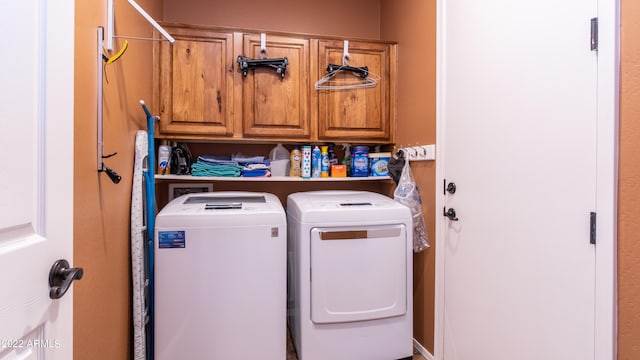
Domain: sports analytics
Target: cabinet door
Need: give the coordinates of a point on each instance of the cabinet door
(195, 82)
(362, 114)
(274, 106)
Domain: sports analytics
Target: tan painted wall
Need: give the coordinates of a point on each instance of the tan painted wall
(352, 18)
(629, 186)
(101, 214)
(102, 311)
(412, 23)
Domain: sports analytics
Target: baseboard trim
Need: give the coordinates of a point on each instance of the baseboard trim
(421, 349)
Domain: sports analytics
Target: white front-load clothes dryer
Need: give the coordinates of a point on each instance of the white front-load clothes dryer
(350, 276)
(220, 277)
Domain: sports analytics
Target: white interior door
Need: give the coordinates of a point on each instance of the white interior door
(519, 95)
(36, 192)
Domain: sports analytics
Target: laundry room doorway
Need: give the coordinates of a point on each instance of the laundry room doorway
(36, 210)
(526, 120)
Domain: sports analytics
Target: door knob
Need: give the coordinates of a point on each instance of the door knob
(61, 276)
(451, 214)
(451, 188)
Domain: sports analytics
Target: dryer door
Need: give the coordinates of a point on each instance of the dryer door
(358, 273)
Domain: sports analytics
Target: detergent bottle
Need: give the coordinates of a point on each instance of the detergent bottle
(279, 161)
(360, 161)
(279, 152)
(296, 161)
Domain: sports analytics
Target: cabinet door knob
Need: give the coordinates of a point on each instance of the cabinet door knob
(219, 98)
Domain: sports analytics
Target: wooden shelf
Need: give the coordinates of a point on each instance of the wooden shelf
(267, 179)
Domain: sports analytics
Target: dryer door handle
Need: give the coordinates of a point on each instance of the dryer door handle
(360, 234)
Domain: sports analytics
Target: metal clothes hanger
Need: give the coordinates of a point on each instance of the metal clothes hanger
(362, 78)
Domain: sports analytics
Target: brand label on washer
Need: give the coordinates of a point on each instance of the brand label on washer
(171, 239)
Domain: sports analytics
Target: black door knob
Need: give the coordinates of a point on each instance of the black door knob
(61, 277)
(451, 188)
(451, 214)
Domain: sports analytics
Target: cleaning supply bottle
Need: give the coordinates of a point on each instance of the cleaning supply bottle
(324, 161)
(306, 161)
(360, 161)
(333, 158)
(316, 162)
(346, 160)
(164, 157)
(279, 161)
(279, 153)
(296, 161)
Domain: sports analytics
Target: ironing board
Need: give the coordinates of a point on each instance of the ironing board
(150, 215)
(138, 248)
(143, 214)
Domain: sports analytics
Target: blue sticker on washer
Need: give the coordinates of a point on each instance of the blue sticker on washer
(171, 239)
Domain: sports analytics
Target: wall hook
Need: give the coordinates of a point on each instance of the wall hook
(263, 46)
(116, 56)
(345, 53)
(111, 174)
(418, 152)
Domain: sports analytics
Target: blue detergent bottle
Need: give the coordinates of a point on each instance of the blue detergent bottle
(360, 161)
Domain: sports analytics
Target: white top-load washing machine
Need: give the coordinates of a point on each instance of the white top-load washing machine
(350, 276)
(220, 277)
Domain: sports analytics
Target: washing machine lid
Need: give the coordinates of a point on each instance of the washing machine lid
(358, 273)
(225, 201)
(344, 206)
(223, 208)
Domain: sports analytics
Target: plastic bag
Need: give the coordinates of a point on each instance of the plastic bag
(407, 193)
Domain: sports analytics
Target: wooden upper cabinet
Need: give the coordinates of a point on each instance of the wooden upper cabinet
(194, 82)
(201, 93)
(273, 106)
(357, 115)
